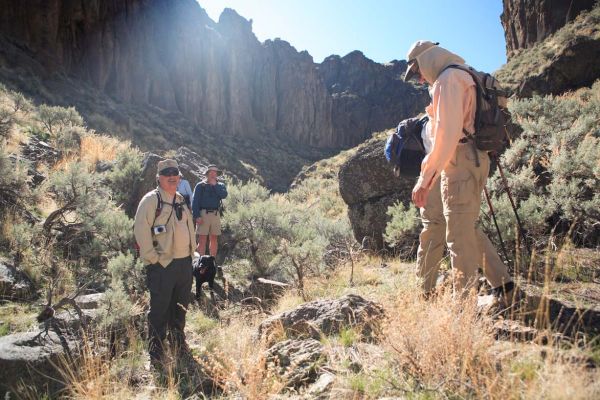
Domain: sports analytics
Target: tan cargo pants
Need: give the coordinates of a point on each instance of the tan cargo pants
(450, 217)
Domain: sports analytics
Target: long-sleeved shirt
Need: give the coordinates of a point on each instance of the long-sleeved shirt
(452, 108)
(179, 239)
(207, 196)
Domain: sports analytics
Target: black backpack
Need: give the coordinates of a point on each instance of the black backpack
(491, 115)
(404, 148)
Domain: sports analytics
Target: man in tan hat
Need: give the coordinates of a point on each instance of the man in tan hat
(449, 188)
(206, 207)
(164, 231)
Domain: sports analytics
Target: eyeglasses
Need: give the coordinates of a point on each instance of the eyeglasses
(171, 171)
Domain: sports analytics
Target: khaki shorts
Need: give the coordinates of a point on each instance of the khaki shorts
(211, 223)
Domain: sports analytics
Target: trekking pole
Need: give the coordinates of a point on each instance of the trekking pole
(512, 203)
(487, 197)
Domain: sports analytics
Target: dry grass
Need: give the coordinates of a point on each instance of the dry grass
(96, 148)
(442, 348)
(236, 361)
(96, 376)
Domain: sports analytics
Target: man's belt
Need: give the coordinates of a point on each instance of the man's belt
(209, 210)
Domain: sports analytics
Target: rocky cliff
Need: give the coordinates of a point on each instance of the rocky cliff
(528, 22)
(565, 60)
(171, 55)
(367, 96)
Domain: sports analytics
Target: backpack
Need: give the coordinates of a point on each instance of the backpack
(491, 115)
(404, 148)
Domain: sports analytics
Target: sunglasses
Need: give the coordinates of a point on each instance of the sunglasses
(172, 171)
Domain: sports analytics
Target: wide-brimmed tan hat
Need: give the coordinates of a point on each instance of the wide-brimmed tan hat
(212, 168)
(164, 164)
(416, 50)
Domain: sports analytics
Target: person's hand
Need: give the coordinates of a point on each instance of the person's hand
(199, 221)
(419, 196)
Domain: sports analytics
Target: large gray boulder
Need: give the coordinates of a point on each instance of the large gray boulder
(30, 360)
(324, 317)
(369, 186)
(14, 284)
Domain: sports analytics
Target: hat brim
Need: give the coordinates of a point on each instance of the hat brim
(411, 71)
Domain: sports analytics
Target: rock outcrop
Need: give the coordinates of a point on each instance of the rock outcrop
(369, 187)
(561, 62)
(367, 96)
(293, 339)
(296, 360)
(30, 360)
(529, 22)
(14, 284)
(324, 317)
(171, 55)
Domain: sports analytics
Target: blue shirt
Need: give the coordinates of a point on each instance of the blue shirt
(207, 196)
(184, 188)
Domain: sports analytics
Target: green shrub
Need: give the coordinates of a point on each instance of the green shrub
(253, 218)
(20, 102)
(127, 273)
(68, 139)
(402, 231)
(280, 238)
(87, 226)
(55, 118)
(125, 174)
(6, 121)
(553, 168)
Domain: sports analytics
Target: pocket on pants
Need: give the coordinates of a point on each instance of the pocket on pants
(457, 194)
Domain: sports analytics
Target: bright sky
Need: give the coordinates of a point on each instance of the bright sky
(382, 29)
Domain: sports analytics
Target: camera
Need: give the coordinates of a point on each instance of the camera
(158, 229)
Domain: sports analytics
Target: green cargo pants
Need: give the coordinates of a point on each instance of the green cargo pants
(450, 218)
(170, 289)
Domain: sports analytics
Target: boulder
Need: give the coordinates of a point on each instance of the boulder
(31, 360)
(369, 186)
(70, 321)
(89, 301)
(321, 388)
(14, 284)
(324, 317)
(296, 360)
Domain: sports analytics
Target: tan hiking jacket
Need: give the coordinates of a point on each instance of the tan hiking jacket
(181, 231)
(452, 108)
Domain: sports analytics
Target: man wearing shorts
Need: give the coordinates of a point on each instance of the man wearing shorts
(206, 207)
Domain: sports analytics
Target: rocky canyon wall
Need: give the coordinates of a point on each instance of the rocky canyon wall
(171, 55)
